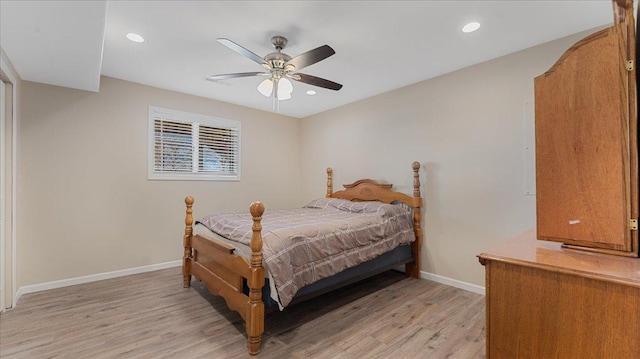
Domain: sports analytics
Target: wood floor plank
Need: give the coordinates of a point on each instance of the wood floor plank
(150, 315)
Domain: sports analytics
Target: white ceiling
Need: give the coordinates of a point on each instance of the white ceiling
(380, 45)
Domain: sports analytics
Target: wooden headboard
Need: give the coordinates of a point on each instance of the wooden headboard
(370, 190)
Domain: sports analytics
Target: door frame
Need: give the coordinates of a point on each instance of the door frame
(9, 76)
(2, 195)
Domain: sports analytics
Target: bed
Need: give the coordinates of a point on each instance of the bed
(237, 271)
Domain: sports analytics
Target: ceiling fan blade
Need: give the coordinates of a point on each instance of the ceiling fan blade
(316, 81)
(240, 74)
(241, 50)
(310, 57)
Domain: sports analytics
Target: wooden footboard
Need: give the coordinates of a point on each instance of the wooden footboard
(224, 272)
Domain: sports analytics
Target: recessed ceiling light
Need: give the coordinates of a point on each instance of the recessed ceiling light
(311, 92)
(471, 27)
(135, 37)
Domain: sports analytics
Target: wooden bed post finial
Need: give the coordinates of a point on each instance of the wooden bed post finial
(416, 178)
(255, 323)
(188, 252)
(256, 209)
(329, 182)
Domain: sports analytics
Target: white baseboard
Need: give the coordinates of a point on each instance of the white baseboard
(448, 281)
(453, 282)
(93, 278)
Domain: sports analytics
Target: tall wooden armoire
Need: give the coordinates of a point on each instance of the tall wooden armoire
(571, 288)
(586, 142)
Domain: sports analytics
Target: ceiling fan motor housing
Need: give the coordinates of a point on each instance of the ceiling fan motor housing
(278, 59)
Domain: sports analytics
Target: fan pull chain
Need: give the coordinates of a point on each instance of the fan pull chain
(276, 100)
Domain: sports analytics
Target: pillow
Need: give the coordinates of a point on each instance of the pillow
(370, 207)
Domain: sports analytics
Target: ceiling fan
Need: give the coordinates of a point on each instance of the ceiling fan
(281, 67)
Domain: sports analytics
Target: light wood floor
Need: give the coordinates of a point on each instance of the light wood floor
(150, 315)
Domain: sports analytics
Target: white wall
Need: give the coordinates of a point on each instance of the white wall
(467, 130)
(86, 206)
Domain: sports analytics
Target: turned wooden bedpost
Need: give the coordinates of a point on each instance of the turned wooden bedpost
(188, 253)
(413, 269)
(329, 182)
(255, 324)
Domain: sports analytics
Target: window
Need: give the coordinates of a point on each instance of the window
(186, 146)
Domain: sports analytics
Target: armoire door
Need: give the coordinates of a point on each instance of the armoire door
(586, 144)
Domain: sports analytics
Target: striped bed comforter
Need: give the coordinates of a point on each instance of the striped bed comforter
(325, 237)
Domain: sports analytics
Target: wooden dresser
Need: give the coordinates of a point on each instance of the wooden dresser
(545, 301)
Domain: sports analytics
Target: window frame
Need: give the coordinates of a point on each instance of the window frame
(190, 118)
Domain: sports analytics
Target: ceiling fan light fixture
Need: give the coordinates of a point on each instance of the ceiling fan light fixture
(285, 88)
(266, 87)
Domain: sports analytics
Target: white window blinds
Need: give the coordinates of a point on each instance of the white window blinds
(172, 146)
(218, 149)
(190, 146)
